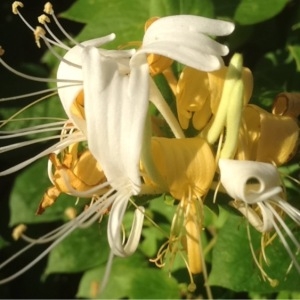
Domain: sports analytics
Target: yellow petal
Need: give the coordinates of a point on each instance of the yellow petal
(87, 169)
(271, 138)
(185, 165)
(216, 82)
(192, 93)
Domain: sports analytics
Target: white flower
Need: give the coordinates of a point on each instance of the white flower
(116, 93)
(256, 183)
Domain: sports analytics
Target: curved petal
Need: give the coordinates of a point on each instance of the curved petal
(114, 228)
(181, 23)
(115, 107)
(249, 181)
(184, 38)
(192, 57)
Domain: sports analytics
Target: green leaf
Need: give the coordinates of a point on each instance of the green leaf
(83, 249)
(254, 11)
(125, 18)
(129, 278)
(163, 8)
(233, 266)
(27, 193)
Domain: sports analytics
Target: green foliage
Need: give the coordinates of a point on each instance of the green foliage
(128, 280)
(250, 12)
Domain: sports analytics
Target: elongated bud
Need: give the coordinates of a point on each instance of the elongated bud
(233, 75)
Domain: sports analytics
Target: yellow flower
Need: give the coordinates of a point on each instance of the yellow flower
(74, 172)
(199, 94)
(187, 167)
(266, 137)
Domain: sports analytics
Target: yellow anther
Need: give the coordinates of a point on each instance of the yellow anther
(15, 6)
(18, 231)
(70, 213)
(38, 33)
(43, 19)
(48, 9)
(2, 51)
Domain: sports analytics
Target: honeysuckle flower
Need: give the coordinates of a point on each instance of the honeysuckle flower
(105, 95)
(198, 94)
(257, 191)
(266, 137)
(81, 169)
(188, 180)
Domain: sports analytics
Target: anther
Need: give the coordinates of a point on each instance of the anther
(48, 9)
(43, 19)
(39, 33)
(70, 213)
(15, 6)
(18, 231)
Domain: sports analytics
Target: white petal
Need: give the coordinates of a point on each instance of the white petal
(114, 232)
(192, 57)
(183, 39)
(115, 109)
(66, 71)
(236, 176)
(183, 23)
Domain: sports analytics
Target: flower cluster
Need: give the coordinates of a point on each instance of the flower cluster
(111, 149)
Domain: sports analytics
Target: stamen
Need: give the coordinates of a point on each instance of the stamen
(59, 56)
(15, 10)
(18, 133)
(18, 231)
(37, 93)
(39, 79)
(27, 143)
(43, 19)
(273, 282)
(39, 33)
(15, 6)
(282, 238)
(48, 9)
(75, 138)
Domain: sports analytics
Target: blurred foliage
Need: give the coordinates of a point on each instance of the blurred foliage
(267, 34)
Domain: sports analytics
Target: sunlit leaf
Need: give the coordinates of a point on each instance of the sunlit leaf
(83, 249)
(233, 259)
(127, 280)
(161, 8)
(125, 18)
(254, 11)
